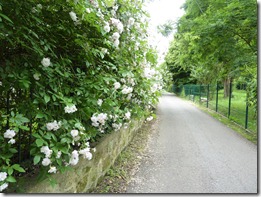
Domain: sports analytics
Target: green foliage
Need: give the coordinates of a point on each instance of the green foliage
(167, 28)
(216, 41)
(59, 65)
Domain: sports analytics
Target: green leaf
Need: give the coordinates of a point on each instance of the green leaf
(37, 159)
(12, 150)
(46, 98)
(39, 115)
(10, 179)
(10, 171)
(39, 142)
(18, 168)
(6, 18)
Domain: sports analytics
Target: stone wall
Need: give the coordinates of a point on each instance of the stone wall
(86, 174)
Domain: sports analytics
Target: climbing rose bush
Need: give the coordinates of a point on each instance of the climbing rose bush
(71, 71)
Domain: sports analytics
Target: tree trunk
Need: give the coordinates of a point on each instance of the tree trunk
(226, 87)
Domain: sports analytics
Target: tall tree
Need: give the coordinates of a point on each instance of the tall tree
(216, 40)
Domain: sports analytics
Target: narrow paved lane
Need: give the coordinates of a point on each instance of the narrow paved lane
(194, 153)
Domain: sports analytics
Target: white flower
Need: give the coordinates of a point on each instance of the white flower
(107, 28)
(131, 21)
(45, 150)
(127, 115)
(73, 16)
(86, 153)
(74, 158)
(46, 162)
(1, 83)
(39, 6)
(37, 76)
(88, 10)
(94, 150)
(53, 125)
(104, 50)
(117, 85)
(129, 96)
(9, 134)
(74, 133)
(52, 169)
(46, 62)
(99, 102)
(3, 176)
(120, 27)
(149, 118)
(113, 12)
(148, 72)
(123, 80)
(70, 109)
(11, 141)
(116, 126)
(116, 43)
(59, 154)
(115, 35)
(3, 187)
(102, 117)
(127, 90)
(98, 119)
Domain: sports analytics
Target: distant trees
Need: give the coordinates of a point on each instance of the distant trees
(216, 40)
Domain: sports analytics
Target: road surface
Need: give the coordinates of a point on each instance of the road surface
(191, 152)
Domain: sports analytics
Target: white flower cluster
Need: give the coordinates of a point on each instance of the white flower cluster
(9, 134)
(127, 115)
(116, 126)
(53, 125)
(118, 24)
(99, 119)
(47, 161)
(74, 133)
(3, 176)
(107, 27)
(46, 151)
(127, 90)
(131, 22)
(73, 16)
(86, 153)
(117, 85)
(37, 76)
(99, 102)
(149, 72)
(52, 169)
(46, 62)
(155, 87)
(70, 109)
(3, 187)
(74, 159)
(149, 118)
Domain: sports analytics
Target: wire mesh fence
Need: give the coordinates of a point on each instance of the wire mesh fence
(233, 105)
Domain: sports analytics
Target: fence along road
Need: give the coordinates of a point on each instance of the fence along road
(194, 153)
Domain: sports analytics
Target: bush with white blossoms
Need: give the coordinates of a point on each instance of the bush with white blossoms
(71, 71)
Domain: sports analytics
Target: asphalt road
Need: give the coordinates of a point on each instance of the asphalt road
(191, 152)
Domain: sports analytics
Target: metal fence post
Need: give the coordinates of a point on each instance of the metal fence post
(246, 118)
(217, 98)
(199, 94)
(207, 95)
(229, 101)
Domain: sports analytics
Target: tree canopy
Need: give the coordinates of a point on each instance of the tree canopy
(216, 40)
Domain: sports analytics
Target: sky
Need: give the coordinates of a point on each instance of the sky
(160, 12)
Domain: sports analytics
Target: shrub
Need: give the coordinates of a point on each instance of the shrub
(70, 72)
